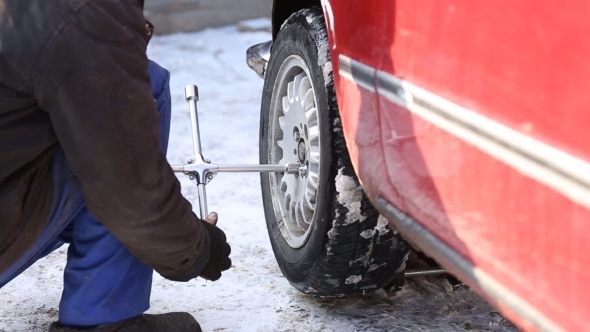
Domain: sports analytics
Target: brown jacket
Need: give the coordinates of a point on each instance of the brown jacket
(73, 73)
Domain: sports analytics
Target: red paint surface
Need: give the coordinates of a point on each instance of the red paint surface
(525, 64)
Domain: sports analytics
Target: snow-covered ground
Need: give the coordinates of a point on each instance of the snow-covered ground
(253, 295)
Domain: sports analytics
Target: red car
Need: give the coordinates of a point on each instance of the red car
(464, 122)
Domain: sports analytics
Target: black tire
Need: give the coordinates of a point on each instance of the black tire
(346, 252)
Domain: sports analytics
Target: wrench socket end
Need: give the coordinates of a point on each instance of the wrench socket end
(191, 92)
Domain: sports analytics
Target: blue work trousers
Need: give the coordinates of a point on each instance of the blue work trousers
(103, 281)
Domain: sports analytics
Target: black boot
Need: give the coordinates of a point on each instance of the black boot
(170, 322)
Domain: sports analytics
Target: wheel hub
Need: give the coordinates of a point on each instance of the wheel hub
(302, 152)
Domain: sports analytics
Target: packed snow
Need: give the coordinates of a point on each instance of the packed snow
(253, 295)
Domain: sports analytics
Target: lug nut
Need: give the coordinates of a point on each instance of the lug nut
(303, 171)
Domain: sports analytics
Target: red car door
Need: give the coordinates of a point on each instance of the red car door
(469, 118)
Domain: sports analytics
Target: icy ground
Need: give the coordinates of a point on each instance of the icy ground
(253, 295)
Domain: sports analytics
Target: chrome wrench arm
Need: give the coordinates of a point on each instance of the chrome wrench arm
(201, 171)
(289, 168)
(191, 93)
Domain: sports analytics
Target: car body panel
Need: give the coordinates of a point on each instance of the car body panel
(521, 64)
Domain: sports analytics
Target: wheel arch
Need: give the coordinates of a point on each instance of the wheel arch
(282, 9)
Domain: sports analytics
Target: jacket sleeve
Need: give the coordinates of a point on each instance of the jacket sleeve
(94, 84)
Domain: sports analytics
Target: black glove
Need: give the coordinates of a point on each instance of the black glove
(214, 258)
(219, 253)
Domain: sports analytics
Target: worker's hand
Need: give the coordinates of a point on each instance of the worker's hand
(212, 218)
(219, 258)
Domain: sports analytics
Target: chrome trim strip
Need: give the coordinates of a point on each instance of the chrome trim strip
(463, 268)
(357, 72)
(556, 169)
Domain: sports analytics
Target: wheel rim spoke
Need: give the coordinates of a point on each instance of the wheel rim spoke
(314, 157)
(313, 136)
(310, 192)
(308, 99)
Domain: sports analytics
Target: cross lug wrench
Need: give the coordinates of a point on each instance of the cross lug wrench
(201, 171)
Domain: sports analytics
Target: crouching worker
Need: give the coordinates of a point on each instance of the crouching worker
(84, 124)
